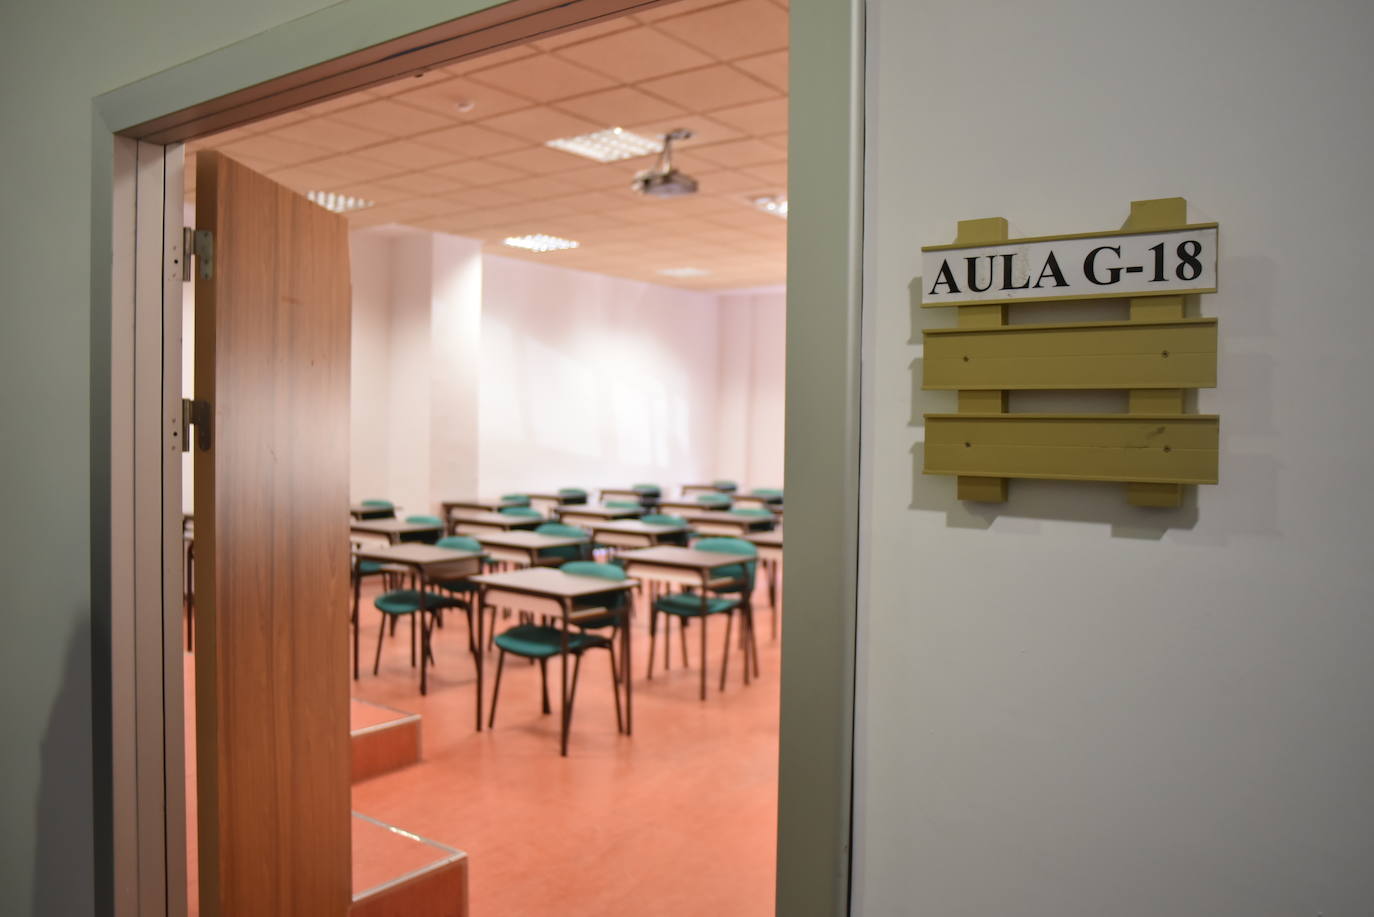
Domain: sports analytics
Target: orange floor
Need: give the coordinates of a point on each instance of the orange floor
(678, 819)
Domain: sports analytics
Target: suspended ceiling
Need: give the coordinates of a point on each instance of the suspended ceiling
(431, 160)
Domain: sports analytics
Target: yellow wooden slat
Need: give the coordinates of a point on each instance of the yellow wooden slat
(1150, 216)
(1097, 355)
(982, 316)
(1149, 448)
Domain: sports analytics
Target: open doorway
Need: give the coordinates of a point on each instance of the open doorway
(649, 354)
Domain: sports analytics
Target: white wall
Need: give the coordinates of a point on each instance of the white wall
(590, 380)
(53, 329)
(1069, 706)
(753, 330)
(416, 337)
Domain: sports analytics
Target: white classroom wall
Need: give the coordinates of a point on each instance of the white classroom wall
(542, 377)
(591, 381)
(1067, 705)
(753, 329)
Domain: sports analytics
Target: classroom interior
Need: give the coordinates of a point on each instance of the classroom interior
(550, 367)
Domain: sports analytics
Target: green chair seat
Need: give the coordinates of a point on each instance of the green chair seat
(516, 499)
(748, 512)
(457, 585)
(572, 552)
(370, 567)
(459, 543)
(407, 601)
(688, 605)
(725, 485)
(523, 512)
(425, 520)
(714, 501)
(772, 493)
(677, 538)
(614, 603)
(624, 504)
(741, 574)
(648, 490)
(535, 641)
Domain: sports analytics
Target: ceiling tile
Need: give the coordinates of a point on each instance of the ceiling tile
(717, 86)
(595, 201)
(542, 78)
(774, 173)
(335, 135)
(478, 172)
(612, 177)
(541, 160)
(491, 59)
(483, 197)
(731, 30)
(620, 106)
(406, 155)
(540, 124)
(356, 168)
(443, 98)
(539, 187)
(757, 117)
(392, 118)
(771, 68)
(703, 129)
(485, 174)
(422, 182)
(269, 148)
(470, 141)
(737, 153)
(635, 55)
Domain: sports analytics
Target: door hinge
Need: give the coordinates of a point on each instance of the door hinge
(201, 244)
(195, 414)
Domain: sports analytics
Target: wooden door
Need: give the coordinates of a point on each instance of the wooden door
(272, 593)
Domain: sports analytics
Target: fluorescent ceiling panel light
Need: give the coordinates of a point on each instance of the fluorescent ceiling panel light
(541, 243)
(608, 145)
(339, 203)
(684, 272)
(775, 204)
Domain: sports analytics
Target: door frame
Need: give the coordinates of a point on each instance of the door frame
(139, 739)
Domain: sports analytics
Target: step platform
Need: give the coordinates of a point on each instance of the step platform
(383, 739)
(399, 874)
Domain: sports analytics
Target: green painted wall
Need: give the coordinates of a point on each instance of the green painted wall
(55, 58)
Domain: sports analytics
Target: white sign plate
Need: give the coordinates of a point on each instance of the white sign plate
(1081, 267)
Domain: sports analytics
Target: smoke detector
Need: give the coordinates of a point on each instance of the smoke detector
(663, 180)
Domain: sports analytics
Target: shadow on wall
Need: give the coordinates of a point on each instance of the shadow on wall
(63, 880)
(1248, 505)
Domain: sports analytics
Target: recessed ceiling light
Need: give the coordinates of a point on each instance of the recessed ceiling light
(608, 145)
(775, 204)
(339, 203)
(541, 243)
(684, 272)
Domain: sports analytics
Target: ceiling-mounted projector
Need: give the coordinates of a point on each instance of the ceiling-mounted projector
(663, 180)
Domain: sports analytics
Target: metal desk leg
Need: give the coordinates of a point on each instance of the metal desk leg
(481, 649)
(563, 667)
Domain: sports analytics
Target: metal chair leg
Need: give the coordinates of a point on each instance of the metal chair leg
(496, 688)
(615, 686)
(381, 633)
(653, 635)
(544, 683)
(703, 657)
(725, 657)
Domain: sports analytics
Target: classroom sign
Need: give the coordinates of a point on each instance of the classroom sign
(1085, 266)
